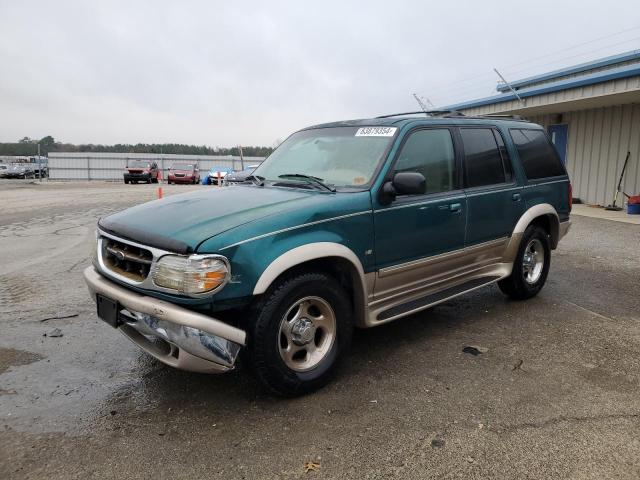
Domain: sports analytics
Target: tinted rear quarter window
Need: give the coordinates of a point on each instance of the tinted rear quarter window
(483, 162)
(537, 155)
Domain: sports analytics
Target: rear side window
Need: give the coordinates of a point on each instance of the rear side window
(538, 156)
(483, 161)
(430, 152)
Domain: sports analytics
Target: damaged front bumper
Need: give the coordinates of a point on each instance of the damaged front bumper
(174, 335)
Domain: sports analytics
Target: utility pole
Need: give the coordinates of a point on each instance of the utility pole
(39, 165)
(509, 85)
(241, 157)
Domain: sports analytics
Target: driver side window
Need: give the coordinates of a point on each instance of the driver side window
(430, 152)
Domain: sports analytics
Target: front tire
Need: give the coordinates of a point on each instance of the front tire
(531, 266)
(300, 332)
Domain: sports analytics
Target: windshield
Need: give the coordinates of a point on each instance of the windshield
(138, 164)
(340, 156)
(182, 166)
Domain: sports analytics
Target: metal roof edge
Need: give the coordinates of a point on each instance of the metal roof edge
(601, 62)
(598, 77)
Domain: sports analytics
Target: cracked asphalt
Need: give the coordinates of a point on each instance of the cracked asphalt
(555, 395)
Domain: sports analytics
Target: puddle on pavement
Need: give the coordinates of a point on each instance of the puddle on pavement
(10, 357)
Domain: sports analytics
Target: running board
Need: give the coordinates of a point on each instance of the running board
(434, 298)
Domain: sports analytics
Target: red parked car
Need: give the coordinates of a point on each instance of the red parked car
(183, 173)
(141, 171)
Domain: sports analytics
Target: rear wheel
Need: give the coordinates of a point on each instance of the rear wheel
(300, 333)
(531, 266)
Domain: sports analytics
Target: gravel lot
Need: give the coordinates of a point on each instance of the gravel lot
(557, 394)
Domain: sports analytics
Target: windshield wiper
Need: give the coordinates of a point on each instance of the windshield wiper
(256, 179)
(310, 179)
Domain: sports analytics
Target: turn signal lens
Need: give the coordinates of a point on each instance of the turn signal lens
(189, 275)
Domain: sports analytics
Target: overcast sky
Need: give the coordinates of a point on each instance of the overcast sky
(226, 73)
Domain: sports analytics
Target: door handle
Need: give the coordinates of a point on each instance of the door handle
(516, 197)
(455, 207)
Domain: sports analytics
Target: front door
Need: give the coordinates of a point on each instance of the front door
(559, 136)
(415, 227)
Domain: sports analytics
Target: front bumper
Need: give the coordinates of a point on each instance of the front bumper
(137, 176)
(189, 179)
(174, 335)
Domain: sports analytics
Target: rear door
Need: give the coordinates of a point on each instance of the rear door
(494, 199)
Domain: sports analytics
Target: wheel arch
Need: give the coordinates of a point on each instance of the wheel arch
(543, 214)
(325, 256)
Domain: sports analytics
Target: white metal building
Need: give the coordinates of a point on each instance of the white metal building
(110, 166)
(592, 112)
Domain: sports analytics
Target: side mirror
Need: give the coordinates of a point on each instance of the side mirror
(403, 183)
(409, 183)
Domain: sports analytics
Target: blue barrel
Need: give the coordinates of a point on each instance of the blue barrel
(633, 209)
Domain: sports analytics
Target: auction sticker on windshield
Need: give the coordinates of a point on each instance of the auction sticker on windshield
(376, 132)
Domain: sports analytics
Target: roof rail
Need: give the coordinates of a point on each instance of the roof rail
(446, 113)
(500, 115)
(428, 113)
(404, 113)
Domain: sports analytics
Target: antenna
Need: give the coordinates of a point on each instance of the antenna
(509, 85)
(422, 104)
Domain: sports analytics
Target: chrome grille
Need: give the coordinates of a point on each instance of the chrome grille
(130, 261)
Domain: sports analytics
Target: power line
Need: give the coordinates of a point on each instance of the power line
(471, 89)
(574, 56)
(469, 92)
(448, 87)
(574, 46)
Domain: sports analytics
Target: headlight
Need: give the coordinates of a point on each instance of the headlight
(189, 275)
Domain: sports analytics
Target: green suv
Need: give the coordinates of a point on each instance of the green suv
(347, 224)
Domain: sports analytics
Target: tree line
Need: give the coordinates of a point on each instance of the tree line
(28, 147)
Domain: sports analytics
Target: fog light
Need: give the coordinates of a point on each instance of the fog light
(189, 275)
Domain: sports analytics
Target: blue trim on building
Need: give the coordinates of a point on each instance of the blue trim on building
(583, 67)
(598, 77)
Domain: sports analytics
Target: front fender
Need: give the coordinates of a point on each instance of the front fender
(305, 253)
(256, 262)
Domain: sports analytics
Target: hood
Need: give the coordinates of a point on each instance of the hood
(181, 222)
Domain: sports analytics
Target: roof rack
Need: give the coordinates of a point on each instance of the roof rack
(455, 113)
(428, 113)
